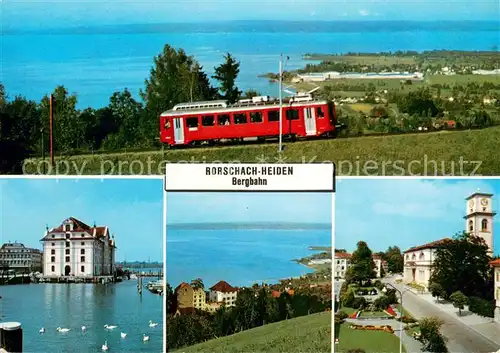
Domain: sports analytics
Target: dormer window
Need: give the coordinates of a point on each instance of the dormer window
(67, 228)
(68, 235)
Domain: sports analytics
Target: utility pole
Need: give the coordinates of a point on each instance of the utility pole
(280, 147)
(51, 128)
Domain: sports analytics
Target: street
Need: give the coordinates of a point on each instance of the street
(461, 338)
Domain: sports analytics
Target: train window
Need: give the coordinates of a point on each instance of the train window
(167, 124)
(256, 117)
(292, 114)
(273, 115)
(208, 120)
(192, 122)
(320, 114)
(240, 118)
(224, 119)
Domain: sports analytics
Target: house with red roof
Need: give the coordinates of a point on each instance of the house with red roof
(77, 249)
(223, 292)
(418, 260)
(342, 262)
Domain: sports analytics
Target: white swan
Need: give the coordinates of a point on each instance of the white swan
(123, 335)
(145, 338)
(63, 329)
(110, 327)
(105, 346)
(152, 324)
(84, 328)
(42, 330)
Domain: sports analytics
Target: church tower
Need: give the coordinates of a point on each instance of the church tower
(479, 217)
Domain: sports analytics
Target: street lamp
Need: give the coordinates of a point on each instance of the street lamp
(400, 313)
(281, 68)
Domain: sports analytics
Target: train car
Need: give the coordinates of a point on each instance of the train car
(210, 122)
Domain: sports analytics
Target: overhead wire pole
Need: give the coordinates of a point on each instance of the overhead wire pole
(280, 147)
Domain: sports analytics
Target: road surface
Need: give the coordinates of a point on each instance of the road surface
(461, 338)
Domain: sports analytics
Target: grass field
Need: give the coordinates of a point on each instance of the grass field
(441, 153)
(304, 334)
(370, 341)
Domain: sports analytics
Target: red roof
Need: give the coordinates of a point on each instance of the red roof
(431, 245)
(495, 263)
(224, 287)
(182, 285)
(81, 227)
(343, 255)
(275, 294)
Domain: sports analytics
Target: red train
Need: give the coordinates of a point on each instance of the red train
(250, 119)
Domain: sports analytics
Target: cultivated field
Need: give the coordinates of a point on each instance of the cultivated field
(310, 333)
(438, 153)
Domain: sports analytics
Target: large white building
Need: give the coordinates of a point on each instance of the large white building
(418, 260)
(76, 249)
(342, 261)
(496, 266)
(19, 258)
(223, 292)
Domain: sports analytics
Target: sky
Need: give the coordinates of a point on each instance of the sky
(132, 209)
(405, 213)
(231, 207)
(70, 13)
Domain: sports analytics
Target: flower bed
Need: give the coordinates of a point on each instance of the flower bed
(390, 311)
(355, 314)
(385, 328)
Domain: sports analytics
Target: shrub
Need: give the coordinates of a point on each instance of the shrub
(381, 303)
(342, 315)
(358, 303)
(406, 319)
(482, 307)
(348, 299)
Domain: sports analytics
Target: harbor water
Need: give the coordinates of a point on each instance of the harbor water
(75, 305)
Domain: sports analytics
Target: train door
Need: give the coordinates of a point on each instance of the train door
(310, 121)
(178, 130)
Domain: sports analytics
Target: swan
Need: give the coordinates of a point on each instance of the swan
(152, 324)
(105, 346)
(42, 330)
(63, 329)
(145, 338)
(110, 327)
(123, 335)
(84, 328)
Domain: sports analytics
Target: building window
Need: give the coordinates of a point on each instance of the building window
(422, 256)
(52, 252)
(66, 227)
(67, 258)
(413, 257)
(82, 251)
(53, 244)
(471, 226)
(52, 259)
(82, 258)
(82, 268)
(484, 225)
(83, 243)
(52, 268)
(67, 251)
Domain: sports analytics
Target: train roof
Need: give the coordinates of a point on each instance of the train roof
(217, 106)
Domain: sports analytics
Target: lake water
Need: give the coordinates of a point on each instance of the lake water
(95, 62)
(240, 257)
(74, 305)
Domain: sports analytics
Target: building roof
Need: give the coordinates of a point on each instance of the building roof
(495, 263)
(343, 255)
(182, 285)
(223, 286)
(431, 245)
(478, 194)
(79, 226)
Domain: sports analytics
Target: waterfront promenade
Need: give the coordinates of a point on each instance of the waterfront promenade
(93, 306)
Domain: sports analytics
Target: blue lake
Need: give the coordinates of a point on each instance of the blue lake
(241, 257)
(95, 63)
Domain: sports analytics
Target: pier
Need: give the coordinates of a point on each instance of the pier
(77, 279)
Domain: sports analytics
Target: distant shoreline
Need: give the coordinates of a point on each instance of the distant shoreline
(245, 225)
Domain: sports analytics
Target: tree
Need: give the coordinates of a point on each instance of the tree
(171, 299)
(197, 283)
(436, 290)
(459, 301)
(430, 336)
(462, 264)
(226, 73)
(362, 266)
(174, 78)
(394, 258)
(418, 102)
